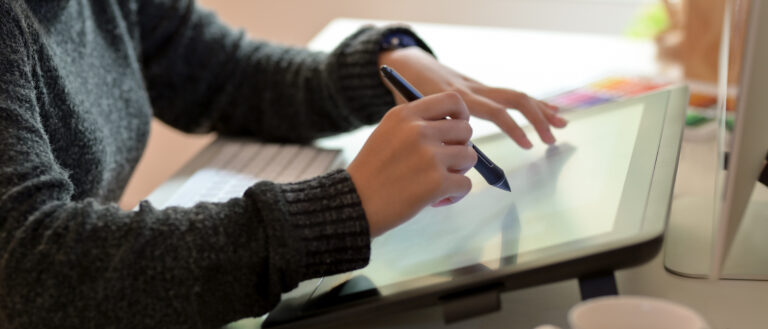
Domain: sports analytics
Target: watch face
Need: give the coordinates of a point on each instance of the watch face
(396, 40)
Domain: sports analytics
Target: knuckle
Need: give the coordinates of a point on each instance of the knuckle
(471, 156)
(461, 91)
(519, 95)
(464, 109)
(453, 96)
(398, 108)
(413, 130)
(498, 114)
(396, 113)
(518, 98)
(421, 130)
(467, 129)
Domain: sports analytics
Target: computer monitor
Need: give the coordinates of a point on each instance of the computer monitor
(723, 235)
(750, 141)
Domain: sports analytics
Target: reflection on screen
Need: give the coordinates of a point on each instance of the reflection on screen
(560, 193)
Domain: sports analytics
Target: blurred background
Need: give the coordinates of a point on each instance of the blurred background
(295, 22)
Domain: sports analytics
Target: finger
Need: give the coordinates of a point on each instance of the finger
(551, 113)
(535, 116)
(440, 106)
(443, 202)
(552, 107)
(554, 119)
(456, 158)
(498, 114)
(452, 132)
(528, 107)
(539, 122)
(456, 188)
(513, 97)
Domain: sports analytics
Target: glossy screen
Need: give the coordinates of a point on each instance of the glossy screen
(561, 194)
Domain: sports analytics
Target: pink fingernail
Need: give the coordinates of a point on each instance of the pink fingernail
(527, 144)
(443, 202)
(548, 137)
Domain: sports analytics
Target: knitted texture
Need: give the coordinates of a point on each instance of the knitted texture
(79, 82)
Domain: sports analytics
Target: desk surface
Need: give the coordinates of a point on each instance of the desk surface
(542, 64)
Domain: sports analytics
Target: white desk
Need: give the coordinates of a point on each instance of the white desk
(542, 64)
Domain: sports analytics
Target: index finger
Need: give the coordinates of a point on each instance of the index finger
(528, 107)
(440, 106)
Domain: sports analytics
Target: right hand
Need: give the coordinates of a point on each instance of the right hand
(414, 158)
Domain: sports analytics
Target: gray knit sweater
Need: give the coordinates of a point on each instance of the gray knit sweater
(79, 82)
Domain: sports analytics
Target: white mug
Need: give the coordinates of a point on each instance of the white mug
(631, 312)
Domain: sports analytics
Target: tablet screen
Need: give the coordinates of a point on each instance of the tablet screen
(560, 193)
(563, 196)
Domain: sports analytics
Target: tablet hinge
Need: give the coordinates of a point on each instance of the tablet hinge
(469, 304)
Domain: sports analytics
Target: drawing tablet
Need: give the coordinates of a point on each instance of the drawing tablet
(596, 200)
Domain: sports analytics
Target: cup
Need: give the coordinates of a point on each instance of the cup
(632, 312)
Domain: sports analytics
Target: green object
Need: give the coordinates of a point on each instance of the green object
(649, 22)
(695, 119)
(729, 123)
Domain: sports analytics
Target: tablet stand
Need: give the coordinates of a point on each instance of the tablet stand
(598, 285)
(480, 301)
(469, 304)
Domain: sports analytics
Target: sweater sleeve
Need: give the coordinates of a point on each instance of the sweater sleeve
(203, 76)
(81, 263)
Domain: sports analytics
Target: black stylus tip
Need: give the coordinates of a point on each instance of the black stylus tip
(504, 185)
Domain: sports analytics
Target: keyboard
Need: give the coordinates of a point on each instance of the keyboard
(227, 167)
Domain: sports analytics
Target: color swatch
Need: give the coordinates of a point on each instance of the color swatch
(603, 91)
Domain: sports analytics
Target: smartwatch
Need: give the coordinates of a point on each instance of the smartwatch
(396, 40)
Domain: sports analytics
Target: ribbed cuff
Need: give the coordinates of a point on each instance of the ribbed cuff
(323, 224)
(354, 68)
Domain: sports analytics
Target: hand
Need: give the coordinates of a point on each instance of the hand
(414, 158)
(429, 77)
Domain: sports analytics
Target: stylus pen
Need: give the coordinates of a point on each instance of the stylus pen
(489, 170)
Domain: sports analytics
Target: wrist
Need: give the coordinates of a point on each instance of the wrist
(320, 220)
(397, 41)
(366, 200)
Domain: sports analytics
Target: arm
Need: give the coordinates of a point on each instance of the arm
(79, 263)
(202, 76)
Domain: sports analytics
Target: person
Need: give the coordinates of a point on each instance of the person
(79, 82)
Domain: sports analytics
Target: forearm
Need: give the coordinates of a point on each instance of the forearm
(202, 76)
(297, 95)
(87, 265)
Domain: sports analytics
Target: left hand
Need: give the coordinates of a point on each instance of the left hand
(430, 77)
